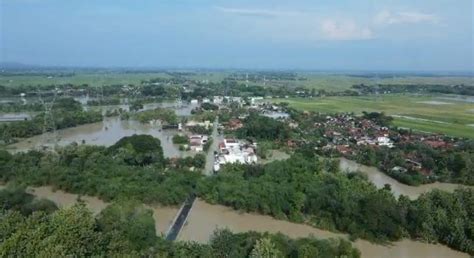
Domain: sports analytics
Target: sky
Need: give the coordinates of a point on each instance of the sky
(392, 35)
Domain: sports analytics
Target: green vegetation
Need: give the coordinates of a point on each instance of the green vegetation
(296, 189)
(66, 113)
(15, 198)
(107, 173)
(302, 189)
(127, 229)
(180, 139)
(455, 165)
(263, 128)
(89, 78)
(138, 150)
(421, 113)
(166, 115)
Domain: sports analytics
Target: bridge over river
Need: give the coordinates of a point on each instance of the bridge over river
(186, 207)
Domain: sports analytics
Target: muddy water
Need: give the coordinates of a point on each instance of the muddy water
(104, 133)
(180, 109)
(204, 218)
(163, 215)
(379, 179)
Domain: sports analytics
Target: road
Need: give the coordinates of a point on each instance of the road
(208, 170)
(188, 204)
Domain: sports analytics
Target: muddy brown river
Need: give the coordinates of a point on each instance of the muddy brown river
(204, 218)
(379, 179)
(163, 215)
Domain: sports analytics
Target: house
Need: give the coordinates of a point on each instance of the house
(384, 141)
(233, 151)
(234, 124)
(196, 142)
(218, 100)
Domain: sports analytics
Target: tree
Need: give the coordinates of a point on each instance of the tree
(264, 248)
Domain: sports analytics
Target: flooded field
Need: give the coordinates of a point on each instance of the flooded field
(163, 215)
(204, 218)
(379, 179)
(103, 133)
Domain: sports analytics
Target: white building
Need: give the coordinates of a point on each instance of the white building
(218, 100)
(233, 151)
(384, 141)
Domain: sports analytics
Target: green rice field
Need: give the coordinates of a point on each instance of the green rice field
(436, 114)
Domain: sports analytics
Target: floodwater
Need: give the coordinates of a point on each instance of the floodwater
(180, 109)
(459, 98)
(204, 218)
(379, 179)
(104, 133)
(163, 216)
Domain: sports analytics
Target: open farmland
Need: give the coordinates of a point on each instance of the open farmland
(423, 113)
(92, 78)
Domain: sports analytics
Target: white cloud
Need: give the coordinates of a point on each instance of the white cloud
(344, 30)
(389, 18)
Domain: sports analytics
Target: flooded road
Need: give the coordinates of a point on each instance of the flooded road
(204, 218)
(104, 133)
(379, 179)
(163, 216)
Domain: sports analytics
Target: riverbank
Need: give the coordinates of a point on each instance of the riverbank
(379, 179)
(205, 218)
(163, 216)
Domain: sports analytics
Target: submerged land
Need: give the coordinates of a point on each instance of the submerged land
(320, 164)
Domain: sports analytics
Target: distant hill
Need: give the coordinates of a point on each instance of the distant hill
(16, 66)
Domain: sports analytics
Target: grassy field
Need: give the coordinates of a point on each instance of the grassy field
(343, 82)
(318, 81)
(92, 79)
(423, 113)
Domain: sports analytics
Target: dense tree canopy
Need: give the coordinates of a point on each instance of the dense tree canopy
(263, 128)
(99, 172)
(297, 189)
(139, 150)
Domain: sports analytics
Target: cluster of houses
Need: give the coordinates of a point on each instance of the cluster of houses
(218, 100)
(233, 151)
(344, 130)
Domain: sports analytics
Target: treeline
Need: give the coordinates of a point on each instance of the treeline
(415, 88)
(133, 168)
(302, 189)
(128, 229)
(298, 190)
(263, 128)
(14, 198)
(19, 107)
(455, 164)
(166, 115)
(65, 113)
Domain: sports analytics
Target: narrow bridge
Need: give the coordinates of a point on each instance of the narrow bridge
(180, 219)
